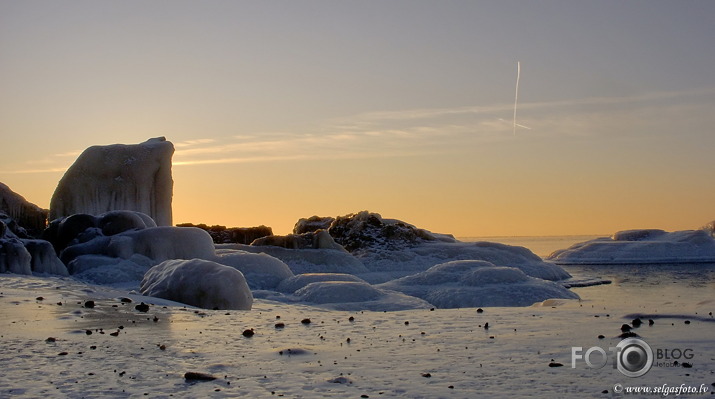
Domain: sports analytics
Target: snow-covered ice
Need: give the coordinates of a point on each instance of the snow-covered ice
(641, 246)
(198, 282)
(113, 350)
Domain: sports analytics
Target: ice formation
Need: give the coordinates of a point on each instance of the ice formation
(470, 283)
(648, 246)
(293, 284)
(118, 177)
(261, 271)
(25, 255)
(200, 283)
(27, 215)
(356, 296)
(303, 261)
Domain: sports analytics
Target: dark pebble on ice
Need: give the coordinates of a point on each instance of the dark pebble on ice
(351, 318)
(125, 300)
(93, 347)
(51, 339)
(555, 364)
(194, 376)
(486, 326)
(114, 334)
(142, 307)
(426, 375)
(89, 304)
(248, 333)
(280, 325)
(305, 321)
(451, 387)
(407, 323)
(687, 321)
(480, 310)
(601, 336)
(88, 332)
(651, 322)
(604, 391)
(156, 319)
(625, 328)
(62, 354)
(637, 322)
(629, 334)
(39, 298)
(59, 303)
(687, 365)
(162, 347)
(364, 396)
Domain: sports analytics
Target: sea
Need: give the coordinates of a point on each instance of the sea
(540, 245)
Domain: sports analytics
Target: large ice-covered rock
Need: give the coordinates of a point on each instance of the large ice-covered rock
(200, 283)
(28, 215)
(26, 255)
(649, 246)
(302, 261)
(390, 248)
(260, 270)
(133, 177)
(471, 283)
(14, 258)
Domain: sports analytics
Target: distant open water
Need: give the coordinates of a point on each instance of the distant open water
(540, 245)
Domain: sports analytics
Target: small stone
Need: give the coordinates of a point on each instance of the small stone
(555, 364)
(637, 322)
(687, 321)
(39, 298)
(89, 304)
(426, 375)
(651, 322)
(88, 332)
(126, 300)
(194, 376)
(351, 318)
(280, 325)
(114, 334)
(601, 336)
(625, 328)
(248, 333)
(687, 365)
(486, 326)
(142, 307)
(305, 321)
(51, 339)
(480, 310)
(162, 347)
(62, 354)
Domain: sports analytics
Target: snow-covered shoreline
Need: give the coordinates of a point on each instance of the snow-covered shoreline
(415, 353)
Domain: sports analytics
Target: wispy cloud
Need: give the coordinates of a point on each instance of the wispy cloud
(422, 132)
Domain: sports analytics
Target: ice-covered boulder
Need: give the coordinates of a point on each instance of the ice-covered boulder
(356, 295)
(390, 248)
(260, 270)
(302, 261)
(319, 239)
(200, 283)
(25, 255)
(14, 258)
(133, 177)
(365, 231)
(28, 215)
(312, 224)
(299, 281)
(470, 283)
(641, 247)
(43, 258)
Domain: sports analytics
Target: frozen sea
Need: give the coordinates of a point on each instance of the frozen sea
(54, 345)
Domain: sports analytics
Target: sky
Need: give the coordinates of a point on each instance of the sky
(281, 110)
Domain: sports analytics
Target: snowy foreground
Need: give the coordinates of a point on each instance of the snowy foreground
(56, 344)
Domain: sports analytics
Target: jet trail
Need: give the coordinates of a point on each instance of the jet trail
(516, 95)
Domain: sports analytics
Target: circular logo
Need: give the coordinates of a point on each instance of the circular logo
(635, 357)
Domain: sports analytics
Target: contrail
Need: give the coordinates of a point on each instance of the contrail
(516, 95)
